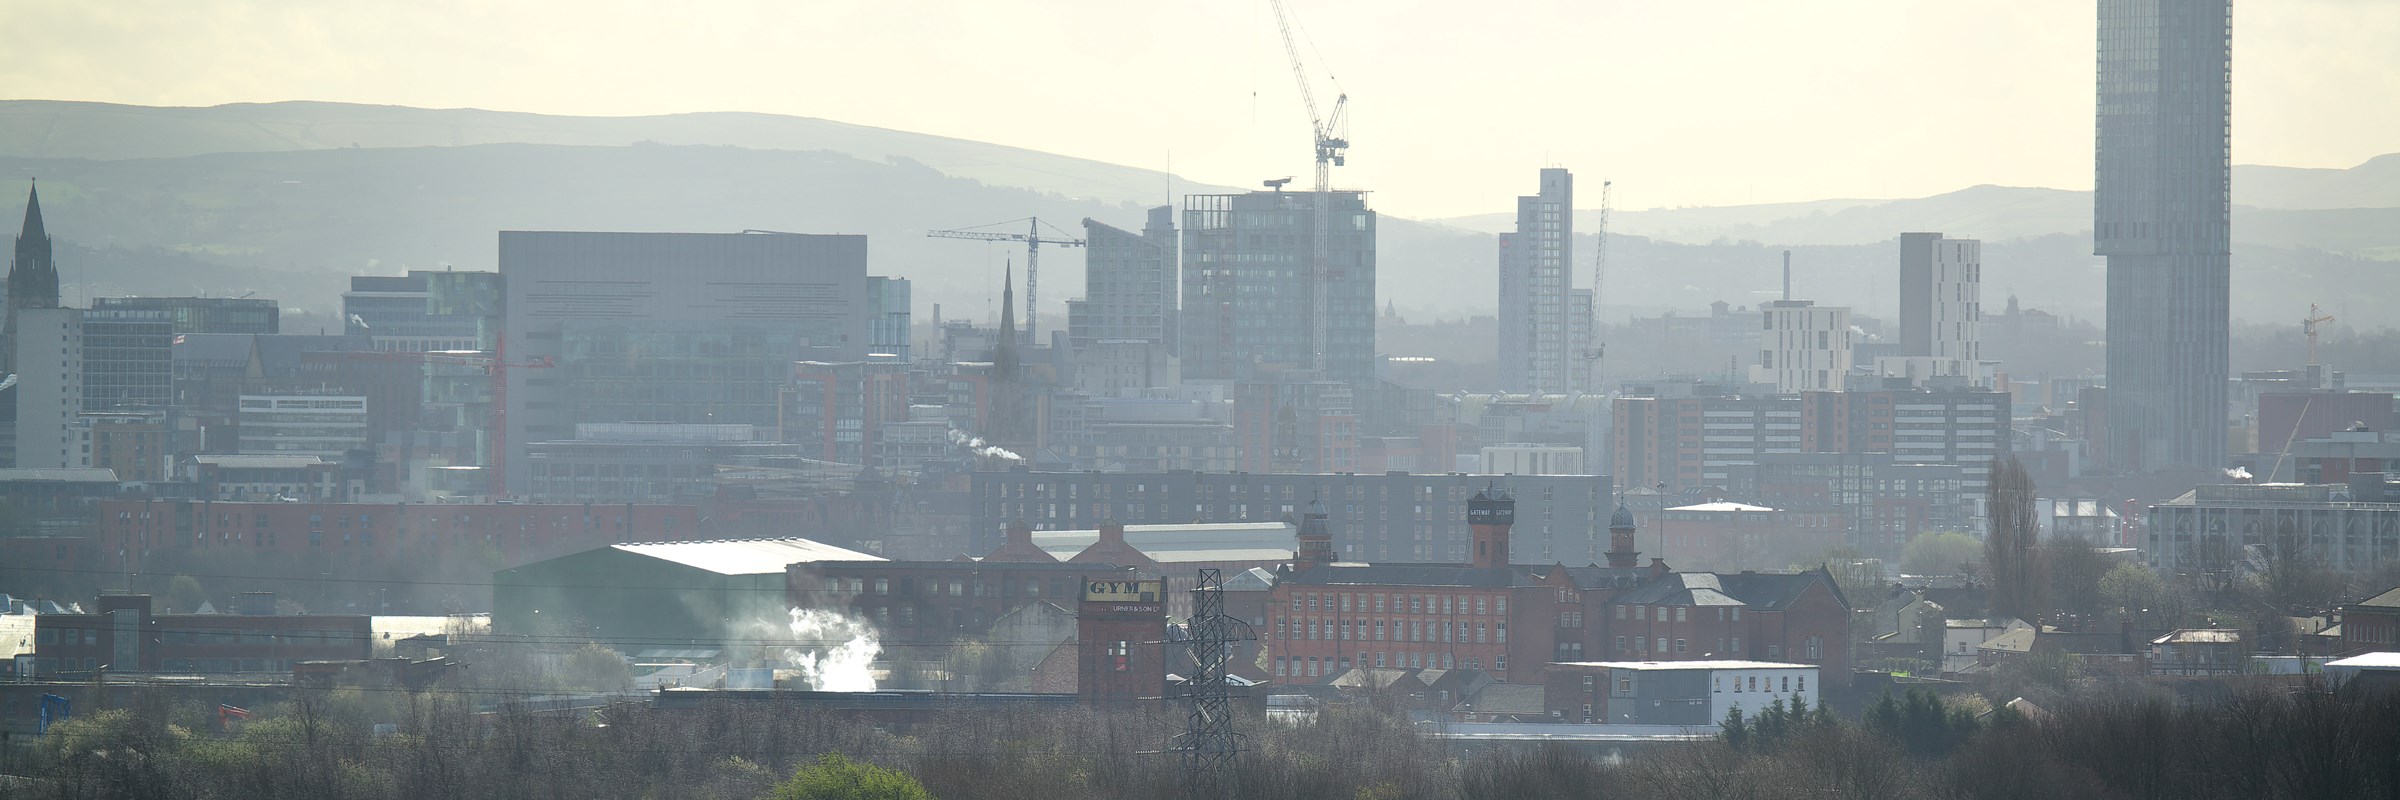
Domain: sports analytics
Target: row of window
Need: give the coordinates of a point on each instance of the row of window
(1416, 603)
(1321, 667)
(1399, 630)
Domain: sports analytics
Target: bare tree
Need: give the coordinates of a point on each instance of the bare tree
(2009, 549)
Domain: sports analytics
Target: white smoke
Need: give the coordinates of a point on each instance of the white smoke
(833, 652)
(980, 447)
(2238, 473)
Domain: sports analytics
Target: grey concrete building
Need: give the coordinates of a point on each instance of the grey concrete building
(1247, 309)
(1129, 284)
(2161, 214)
(1542, 333)
(669, 327)
(1395, 516)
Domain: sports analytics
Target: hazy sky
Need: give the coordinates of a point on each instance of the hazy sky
(1455, 104)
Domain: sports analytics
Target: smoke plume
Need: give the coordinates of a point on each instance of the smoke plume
(833, 651)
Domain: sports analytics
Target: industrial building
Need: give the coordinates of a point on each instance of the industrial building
(1394, 516)
(659, 594)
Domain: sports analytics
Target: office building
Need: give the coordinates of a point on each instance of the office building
(204, 314)
(425, 311)
(1877, 502)
(2161, 215)
(48, 346)
(838, 410)
(887, 318)
(1677, 443)
(2342, 527)
(322, 425)
(1803, 346)
(1968, 428)
(1129, 285)
(647, 462)
(128, 360)
(1248, 288)
(669, 327)
(1545, 323)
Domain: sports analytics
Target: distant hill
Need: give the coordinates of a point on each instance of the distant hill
(106, 131)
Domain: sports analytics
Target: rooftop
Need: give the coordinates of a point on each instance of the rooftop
(2200, 636)
(744, 556)
(2368, 661)
(1172, 544)
(1720, 506)
(69, 475)
(1671, 666)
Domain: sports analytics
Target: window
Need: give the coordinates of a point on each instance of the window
(1500, 663)
(1737, 614)
(1753, 683)
(1501, 633)
(1282, 667)
(1625, 682)
(1717, 684)
(1774, 652)
(1785, 684)
(1379, 604)
(883, 586)
(1662, 644)
(1620, 612)
(1679, 614)
(1502, 607)
(1641, 612)
(958, 588)
(1620, 644)
(1803, 683)
(1737, 644)
(1679, 646)
(1345, 606)
(1482, 604)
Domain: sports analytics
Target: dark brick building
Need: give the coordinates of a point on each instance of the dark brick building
(124, 636)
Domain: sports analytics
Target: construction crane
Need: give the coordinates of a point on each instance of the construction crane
(1033, 239)
(2309, 326)
(1599, 274)
(493, 363)
(1332, 143)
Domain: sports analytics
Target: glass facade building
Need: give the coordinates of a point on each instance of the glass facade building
(128, 360)
(2162, 205)
(1247, 288)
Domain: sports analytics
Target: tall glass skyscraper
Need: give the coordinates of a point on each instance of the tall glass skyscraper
(2162, 217)
(1247, 285)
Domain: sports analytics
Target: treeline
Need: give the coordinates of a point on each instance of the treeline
(2304, 743)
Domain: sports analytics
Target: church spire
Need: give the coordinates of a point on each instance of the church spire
(1004, 356)
(33, 276)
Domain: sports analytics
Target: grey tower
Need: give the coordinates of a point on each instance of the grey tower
(1540, 318)
(2161, 216)
(1129, 284)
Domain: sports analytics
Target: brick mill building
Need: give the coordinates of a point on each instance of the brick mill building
(1512, 620)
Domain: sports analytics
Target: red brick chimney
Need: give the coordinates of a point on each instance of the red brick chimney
(1490, 513)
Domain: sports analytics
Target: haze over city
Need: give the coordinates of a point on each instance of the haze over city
(1685, 104)
(1273, 400)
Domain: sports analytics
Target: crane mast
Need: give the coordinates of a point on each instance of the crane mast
(1330, 145)
(1033, 239)
(1595, 348)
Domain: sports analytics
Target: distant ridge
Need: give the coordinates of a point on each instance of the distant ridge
(108, 131)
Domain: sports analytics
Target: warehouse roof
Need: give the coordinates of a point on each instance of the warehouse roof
(744, 556)
(1184, 544)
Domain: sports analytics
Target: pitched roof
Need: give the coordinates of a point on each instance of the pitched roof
(2200, 636)
(2389, 599)
(1679, 589)
(1180, 544)
(1720, 506)
(744, 556)
(1507, 698)
(1770, 591)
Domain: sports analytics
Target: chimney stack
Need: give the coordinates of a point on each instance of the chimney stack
(1112, 532)
(1490, 513)
(1787, 274)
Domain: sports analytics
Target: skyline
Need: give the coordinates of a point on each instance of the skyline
(1933, 109)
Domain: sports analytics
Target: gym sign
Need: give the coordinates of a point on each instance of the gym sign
(1121, 591)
